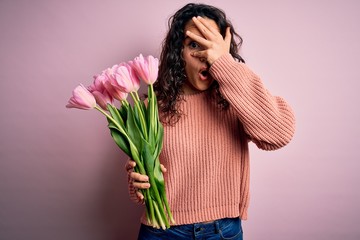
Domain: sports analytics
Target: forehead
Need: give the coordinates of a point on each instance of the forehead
(190, 26)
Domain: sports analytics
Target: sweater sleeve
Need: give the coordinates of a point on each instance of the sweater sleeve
(268, 120)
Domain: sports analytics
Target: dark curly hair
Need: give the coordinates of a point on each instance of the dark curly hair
(168, 87)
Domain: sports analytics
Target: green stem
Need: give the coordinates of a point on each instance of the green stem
(136, 99)
(137, 96)
(136, 158)
(112, 119)
(133, 96)
(150, 209)
(159, 207)
(161, 220)
(168, 210)
(152, 102)
(124, 102)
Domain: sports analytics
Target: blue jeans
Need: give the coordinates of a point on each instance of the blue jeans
(226, 228)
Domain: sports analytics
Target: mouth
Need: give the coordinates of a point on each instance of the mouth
(204, 74)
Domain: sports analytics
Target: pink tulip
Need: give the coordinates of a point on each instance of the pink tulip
(111, 85)
(98, 89)
(115, 91)
(103, 98)
(146, 68)
(99, 83)
(81, 99)
(123, 78)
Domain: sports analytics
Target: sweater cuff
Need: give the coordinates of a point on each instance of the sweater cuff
(222, 63)
(226, 69)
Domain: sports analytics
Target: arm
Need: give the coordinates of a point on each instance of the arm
(268, 120)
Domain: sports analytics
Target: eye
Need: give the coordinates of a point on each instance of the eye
(194, 45)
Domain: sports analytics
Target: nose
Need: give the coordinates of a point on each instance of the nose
(202, 59)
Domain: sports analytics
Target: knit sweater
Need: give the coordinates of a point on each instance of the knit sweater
(206, 151)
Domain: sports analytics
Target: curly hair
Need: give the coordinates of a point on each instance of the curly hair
(168, 87)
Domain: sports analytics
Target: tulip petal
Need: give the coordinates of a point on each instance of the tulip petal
(146, 68)
(81, 99)
(102, 99)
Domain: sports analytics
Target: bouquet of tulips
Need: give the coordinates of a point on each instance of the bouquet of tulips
(136, 128)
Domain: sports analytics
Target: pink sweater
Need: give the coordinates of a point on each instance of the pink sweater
(206, 152)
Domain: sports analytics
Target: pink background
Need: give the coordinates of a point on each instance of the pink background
(61, 175)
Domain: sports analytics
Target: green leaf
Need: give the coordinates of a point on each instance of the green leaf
(143, 109)
(132, 129)
(149, 162)
(156, 108)
(115, 114)
(120, 139)
(137, 119)
(148, 158)
(123, 111)
(159, 178)
(157, 189)
(159, 139)
(148, 109)
(135, 155)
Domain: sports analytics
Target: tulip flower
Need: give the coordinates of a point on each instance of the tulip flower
(115, 90)
(102, 99)
(82, 99)
(99, 83)
(136, 129)
(123, 77)
(146, 68)
(102, 96)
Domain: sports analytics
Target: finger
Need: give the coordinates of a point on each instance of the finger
(202, 41)
(163, 169)
(228, 37)
(139, 177)
(199, 54)
(130, 165)
(204, 30)
(210, 28)
(140, 195)
(141, 185)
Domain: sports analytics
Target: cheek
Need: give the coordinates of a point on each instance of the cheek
(186, 54)
(188, 60)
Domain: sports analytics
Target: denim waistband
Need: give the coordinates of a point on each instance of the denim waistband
(195, 231)
(207, 227)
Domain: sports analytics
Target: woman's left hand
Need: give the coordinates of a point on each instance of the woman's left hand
(213, 43)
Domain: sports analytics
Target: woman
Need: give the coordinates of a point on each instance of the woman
(211, 105)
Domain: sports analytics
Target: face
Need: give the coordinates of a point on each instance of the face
(196, 69)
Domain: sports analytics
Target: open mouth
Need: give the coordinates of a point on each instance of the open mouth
(204, 74)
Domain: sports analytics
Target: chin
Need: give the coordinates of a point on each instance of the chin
(204, 86)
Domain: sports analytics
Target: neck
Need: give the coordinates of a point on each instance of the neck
(188, 90)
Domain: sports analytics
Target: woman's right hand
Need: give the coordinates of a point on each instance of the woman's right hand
(137, 181)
